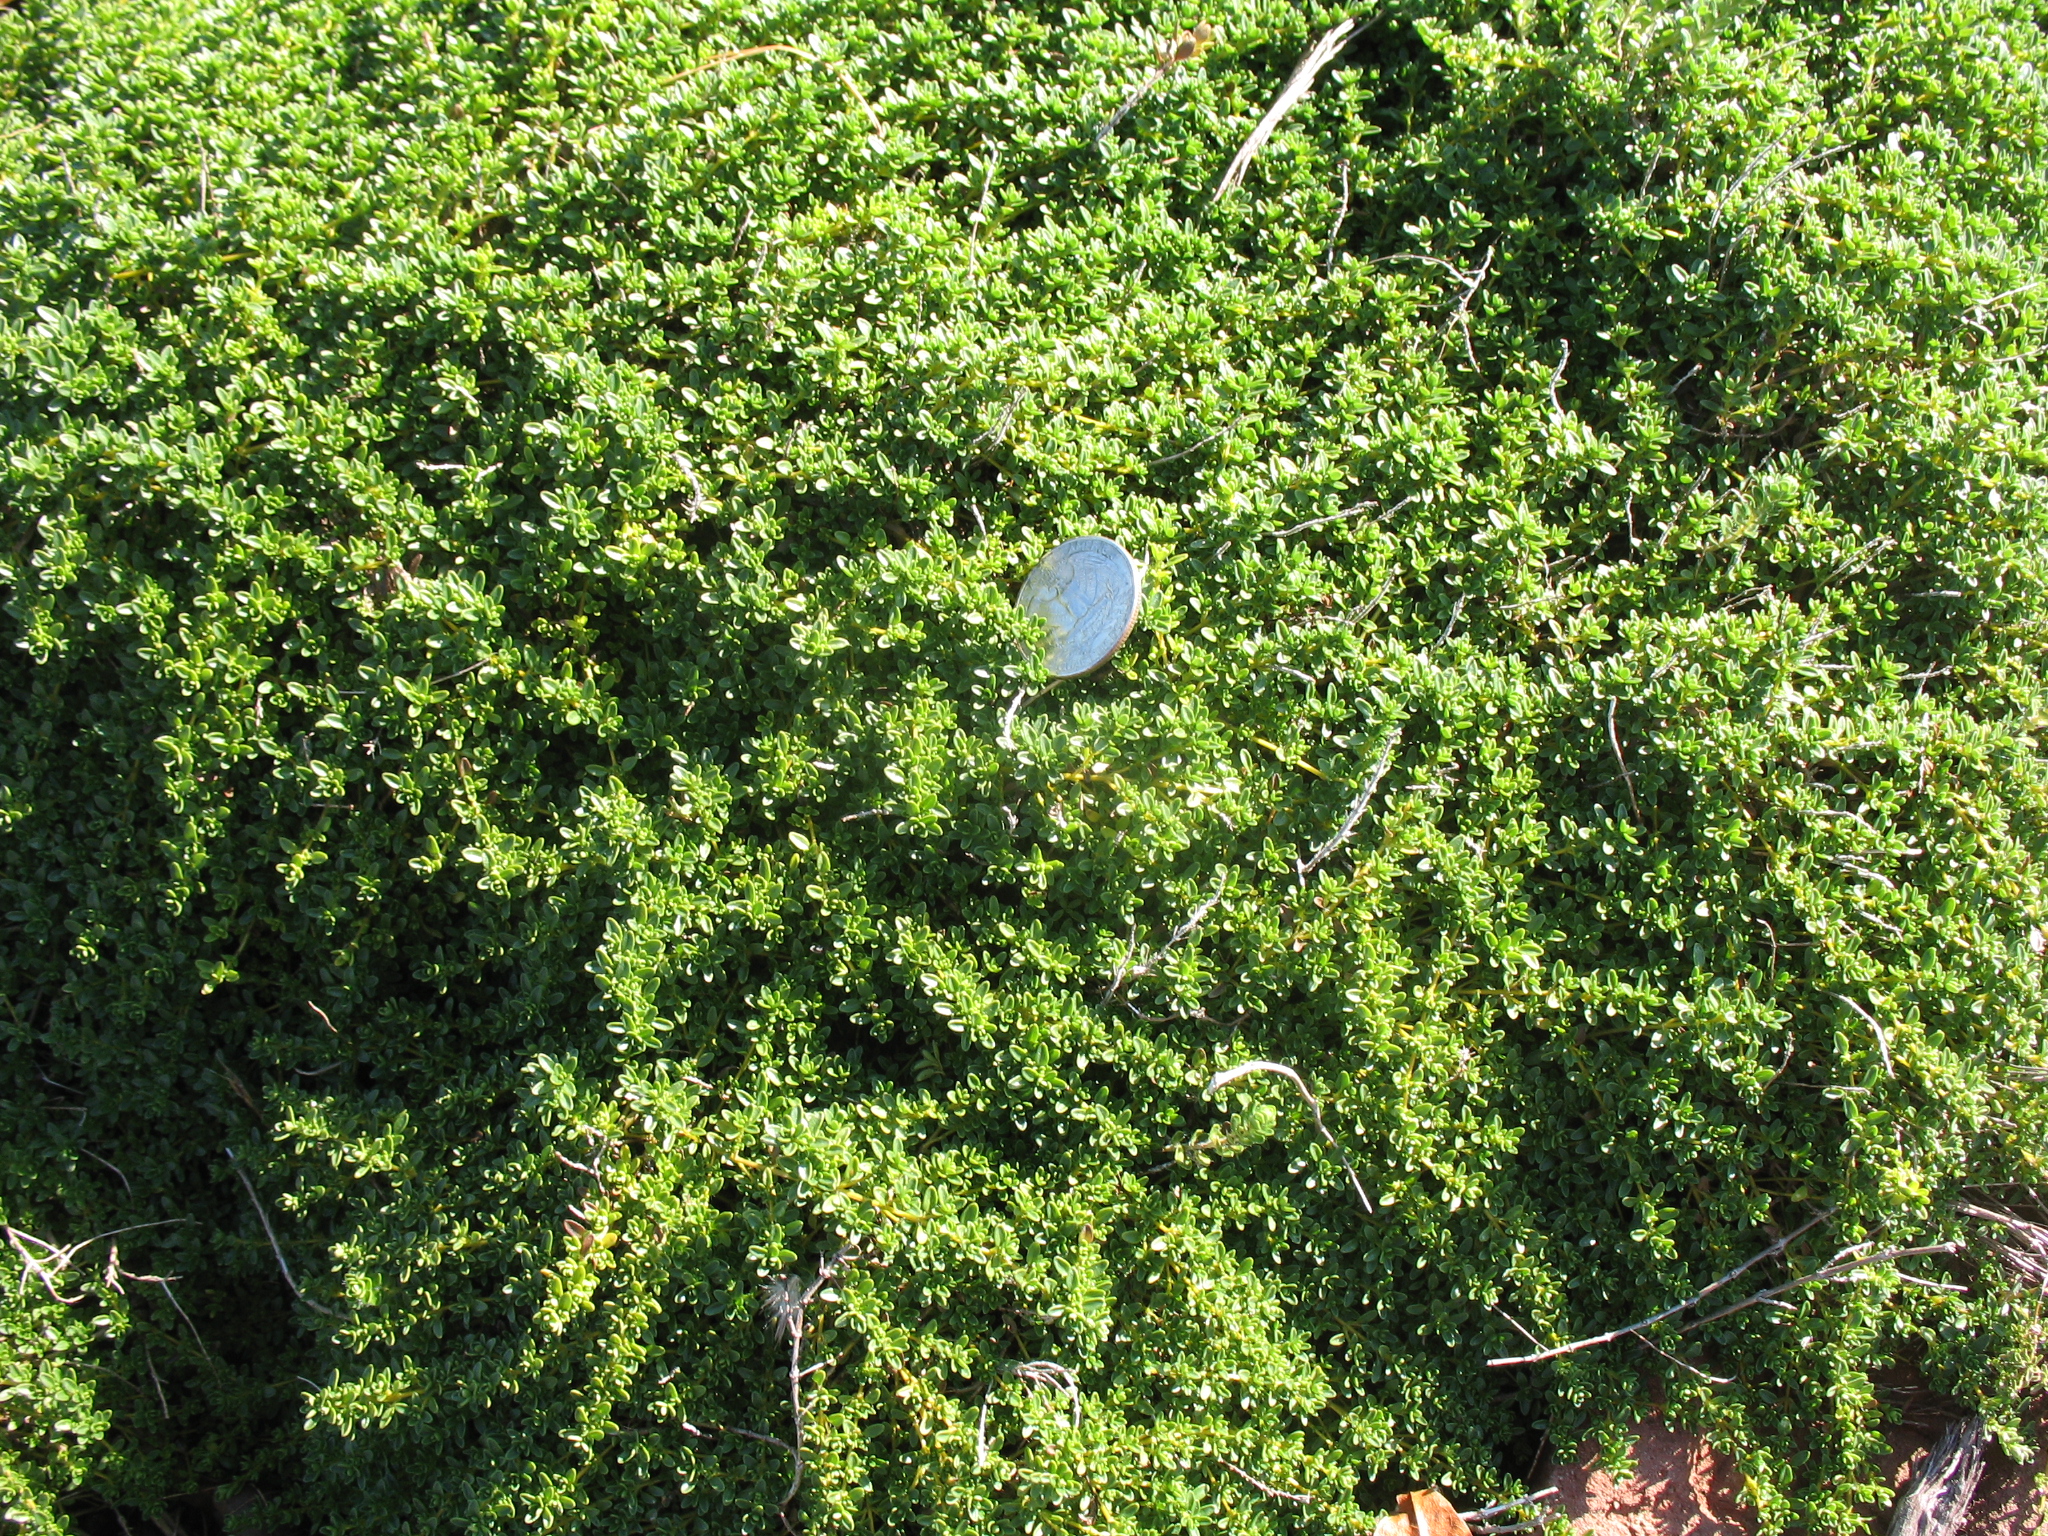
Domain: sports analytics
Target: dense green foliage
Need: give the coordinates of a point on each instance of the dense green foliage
(518, 744)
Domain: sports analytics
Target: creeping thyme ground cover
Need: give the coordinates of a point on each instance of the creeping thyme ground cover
(524, 800)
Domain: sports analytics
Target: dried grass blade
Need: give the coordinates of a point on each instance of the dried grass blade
(1299, 84)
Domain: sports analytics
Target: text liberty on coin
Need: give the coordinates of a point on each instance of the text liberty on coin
(1087, 592)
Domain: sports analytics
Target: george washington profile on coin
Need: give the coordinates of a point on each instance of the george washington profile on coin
(1087, 592)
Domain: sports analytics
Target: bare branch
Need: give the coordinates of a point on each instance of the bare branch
(1627, 778)
(1343, 213)
(1338, 517)
(1268, 1490)
(1024, 698)
(784, 1300)
(1686, 1365)
(1476, 1515)
(105, 1164)
(1838, 1267)
(1525, 1333)
(173, 1297)
(56, 1257)
(1557, 377)
(1232, 1074)
(1461, 317)
(1188, 926)
(724, 1429)
(1050, 1373)
(161, 1401)
(1451, 623)
(2026, 1254)
(275, 1247)
(734, 55)
(1884, 1044)
(1669, 1312)
(1231, 425)
(1143, 89)
(1303, 869)
(44, 1269)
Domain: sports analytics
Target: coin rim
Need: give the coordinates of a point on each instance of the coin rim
(1137, 597)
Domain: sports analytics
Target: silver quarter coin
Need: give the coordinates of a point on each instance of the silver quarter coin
(1087, 591)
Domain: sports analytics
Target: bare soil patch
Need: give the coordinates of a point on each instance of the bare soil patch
(1682, 1486)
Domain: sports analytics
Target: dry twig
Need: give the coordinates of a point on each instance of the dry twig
(275, 1247)
(1338, 517)
(1188, 926)
(1884, 1044)
(1343, 213)
(1627, 778)
(1050, 1373)
(1035, 1373)
(784, 1300)
(2024, 1252)
(107, 1165)
(1557, 377)
(1267, 1489)
(839, 69)
(172, 1296)
(1306, 867)
(1686, 1365)
(1280, 1069)
(56, 1257)
(1476, 1517)
(1834, 1269)
(1462, 315)
(1196, 447)
(1672, 1311)
(1024, 699)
